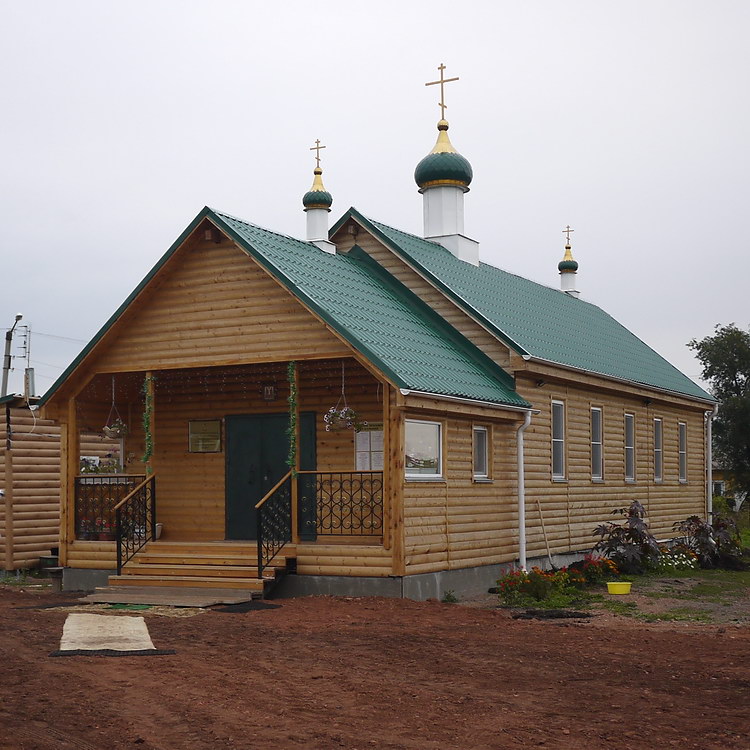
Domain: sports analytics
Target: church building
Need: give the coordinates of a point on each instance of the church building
(364, 411)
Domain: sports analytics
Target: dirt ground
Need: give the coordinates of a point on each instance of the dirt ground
(329, 672)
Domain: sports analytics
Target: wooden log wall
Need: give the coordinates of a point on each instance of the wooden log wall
(460, 522)
(36, 485)
(212, 304)
(191, 486)
(572, 508)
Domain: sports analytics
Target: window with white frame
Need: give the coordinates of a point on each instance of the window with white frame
(658, 452)
(558, 440)
(682, 433)
(630, 447)
(718, 488)
(481, 452)
(597, 457)
(424, 457)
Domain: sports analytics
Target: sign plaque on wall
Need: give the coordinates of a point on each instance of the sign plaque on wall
(204, 436)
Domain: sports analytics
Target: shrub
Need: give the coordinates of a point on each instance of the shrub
(716, 544)
(630, 545)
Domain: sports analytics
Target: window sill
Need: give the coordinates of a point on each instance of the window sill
(684, 481)
(437, 480)
(597, 481)
(482, 480)
(560, 479)
(630, 481)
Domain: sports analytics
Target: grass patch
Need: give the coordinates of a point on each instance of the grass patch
(627, 609)
(678, 614)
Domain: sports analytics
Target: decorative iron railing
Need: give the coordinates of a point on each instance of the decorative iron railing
(347, 503)
(96, 496)
(135, 518)
(274, 520)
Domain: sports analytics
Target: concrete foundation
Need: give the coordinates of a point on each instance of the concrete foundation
(461, 583)
(79, 579)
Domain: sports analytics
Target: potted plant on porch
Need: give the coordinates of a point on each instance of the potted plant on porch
(105, 530)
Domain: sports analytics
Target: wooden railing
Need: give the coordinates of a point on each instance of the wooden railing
(135, 518)
(96, 496)
(274, 521)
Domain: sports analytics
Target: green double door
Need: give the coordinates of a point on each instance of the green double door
(257, 448)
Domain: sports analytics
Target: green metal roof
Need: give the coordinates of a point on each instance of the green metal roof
(537, 320)
(378, 315)
(375, 313)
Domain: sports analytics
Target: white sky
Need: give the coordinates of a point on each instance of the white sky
(628, 121)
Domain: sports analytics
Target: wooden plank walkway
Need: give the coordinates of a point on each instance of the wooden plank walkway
(168, 596)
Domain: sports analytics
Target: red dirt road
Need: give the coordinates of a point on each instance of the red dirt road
(375, 673)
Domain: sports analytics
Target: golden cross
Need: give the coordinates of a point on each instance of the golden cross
(442, 83)
(567, 232)
(317, 148)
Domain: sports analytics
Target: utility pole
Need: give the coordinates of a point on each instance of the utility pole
(6, 361)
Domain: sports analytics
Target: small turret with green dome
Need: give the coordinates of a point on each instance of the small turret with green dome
(443, 165)
(568, 263)
(317, 196)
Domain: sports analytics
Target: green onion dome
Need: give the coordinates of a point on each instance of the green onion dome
(317, 196)
(567, 263)
(443, 165)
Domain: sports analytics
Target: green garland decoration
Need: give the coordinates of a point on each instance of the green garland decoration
(292, 429)
(148, 414)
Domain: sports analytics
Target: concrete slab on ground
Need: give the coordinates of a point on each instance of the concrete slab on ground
(167, 596)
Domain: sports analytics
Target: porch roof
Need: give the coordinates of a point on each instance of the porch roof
(376, 314)
(536, 321)
(379, 316)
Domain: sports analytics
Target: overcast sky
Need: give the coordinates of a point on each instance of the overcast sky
(629, 121)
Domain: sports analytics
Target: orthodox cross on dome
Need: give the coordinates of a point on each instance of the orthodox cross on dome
(442, 83)
(567, 232)
(317, 148)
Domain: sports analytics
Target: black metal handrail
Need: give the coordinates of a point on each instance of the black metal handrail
(135, 518)
(274, 521)
(347, 503)
(96, 496)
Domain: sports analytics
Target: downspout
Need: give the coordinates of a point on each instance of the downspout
(709, 462)
(522, 492)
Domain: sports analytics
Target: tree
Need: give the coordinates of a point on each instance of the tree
(725, 358)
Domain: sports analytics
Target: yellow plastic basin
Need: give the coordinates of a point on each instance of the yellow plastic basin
(619, 587)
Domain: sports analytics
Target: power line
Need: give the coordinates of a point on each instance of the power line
(61, 338)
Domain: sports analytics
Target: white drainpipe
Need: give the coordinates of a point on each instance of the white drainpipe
(709, 462)
(522, 493)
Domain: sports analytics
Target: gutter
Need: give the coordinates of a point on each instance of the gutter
(709, 462)
(522, 491)
(614, 378)
(464, 400)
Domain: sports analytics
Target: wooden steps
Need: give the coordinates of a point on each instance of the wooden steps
(223, 564)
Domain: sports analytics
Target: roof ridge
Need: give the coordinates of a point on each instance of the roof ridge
(226, 215)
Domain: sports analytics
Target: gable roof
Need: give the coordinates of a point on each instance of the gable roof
(378, 316)
(535, 320)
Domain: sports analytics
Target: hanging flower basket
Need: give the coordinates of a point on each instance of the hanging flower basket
(343, 419)
(116, 429)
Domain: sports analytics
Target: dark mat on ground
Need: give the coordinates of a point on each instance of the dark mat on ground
(245, 607)
(112, 652)
(551, 614)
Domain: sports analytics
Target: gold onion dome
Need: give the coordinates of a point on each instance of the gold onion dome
(567, 263)
(443, 165)
(317, 196)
